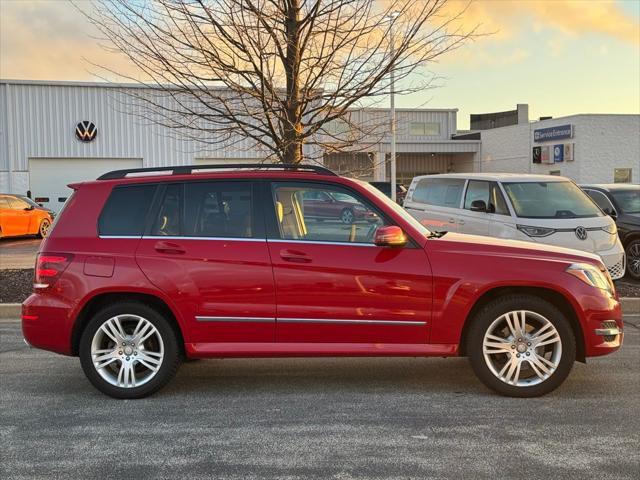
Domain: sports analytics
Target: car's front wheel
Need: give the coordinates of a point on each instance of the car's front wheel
(633, 259)
(521, 346)
(129, 350)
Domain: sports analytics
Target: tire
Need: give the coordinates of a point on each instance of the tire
(530, 376)
(151, 362)
(44, 227)
(347, 217)
(633, 258)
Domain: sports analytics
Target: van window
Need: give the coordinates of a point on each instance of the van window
(489, 193)
(126, 210)
(442, 192)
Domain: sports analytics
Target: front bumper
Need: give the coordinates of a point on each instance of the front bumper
(615, 261)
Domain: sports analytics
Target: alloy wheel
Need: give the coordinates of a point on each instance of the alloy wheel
(522, 348)
(633, 259)
(347, 216)
(127, 351)
(44, 228)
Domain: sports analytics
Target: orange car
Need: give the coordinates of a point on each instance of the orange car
(22, 216)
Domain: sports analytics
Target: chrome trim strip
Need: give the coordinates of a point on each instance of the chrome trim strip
(351, 322)
(224, 239)
(120, 236)
(606, 332)
(350, 244)
(236, 319)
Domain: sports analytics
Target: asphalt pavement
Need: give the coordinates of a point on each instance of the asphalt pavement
(18, 253)
(382, 418)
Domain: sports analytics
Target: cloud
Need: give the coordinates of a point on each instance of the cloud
(507, 17)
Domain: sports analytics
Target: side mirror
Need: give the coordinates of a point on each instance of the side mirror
(611, 212)
(390, 236)
(478, 206)
(29, 208)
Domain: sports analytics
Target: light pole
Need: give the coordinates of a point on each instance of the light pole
(392, 17)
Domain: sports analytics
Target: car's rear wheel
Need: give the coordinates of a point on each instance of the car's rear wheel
(45, 225)
(129, 350)
(633, 259)
(521, 346)
(346, 216)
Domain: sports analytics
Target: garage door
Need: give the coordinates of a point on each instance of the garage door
(49, 177)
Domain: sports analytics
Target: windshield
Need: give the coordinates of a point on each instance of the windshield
(550, 200)
(396, 208)
(628, 200)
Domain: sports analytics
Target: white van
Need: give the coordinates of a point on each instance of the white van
(537, 208)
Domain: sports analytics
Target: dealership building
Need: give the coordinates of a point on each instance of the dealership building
(56, 133)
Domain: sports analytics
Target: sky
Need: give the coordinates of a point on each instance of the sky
(562, 57)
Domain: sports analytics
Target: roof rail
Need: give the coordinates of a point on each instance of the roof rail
(188, 169)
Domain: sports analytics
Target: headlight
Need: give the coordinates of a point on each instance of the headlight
(535, 231)
(611, 228)
(592, 275)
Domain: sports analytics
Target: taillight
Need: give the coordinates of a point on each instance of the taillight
(49, 267)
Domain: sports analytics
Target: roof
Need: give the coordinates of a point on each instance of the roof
(500, 177)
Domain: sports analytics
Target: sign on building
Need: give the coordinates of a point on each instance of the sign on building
(545, 155)
(558, 153)
(553, 133)
(568, 152)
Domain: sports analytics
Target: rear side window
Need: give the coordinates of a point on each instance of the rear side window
(442, 192)
(206, 209)
(126, 210)
(4, 203)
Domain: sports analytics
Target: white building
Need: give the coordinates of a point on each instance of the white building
(588, 148)
(41, 151)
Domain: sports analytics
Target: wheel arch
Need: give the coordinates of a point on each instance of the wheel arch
(552, 296)
(98, 302)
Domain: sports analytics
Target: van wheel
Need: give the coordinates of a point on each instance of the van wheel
(521, 346)
(129, 350)
(44, 228)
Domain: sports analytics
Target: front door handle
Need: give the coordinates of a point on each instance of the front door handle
(168, 247)
(294, 256)
(452, 220)
(461, 222)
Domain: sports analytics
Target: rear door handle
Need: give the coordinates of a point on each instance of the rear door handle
(461, 222)
(169, 247)
(452, 220)
(294, 256)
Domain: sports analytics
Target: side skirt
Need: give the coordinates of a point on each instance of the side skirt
(266, 349)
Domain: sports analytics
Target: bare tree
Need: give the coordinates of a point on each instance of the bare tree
(274, 71)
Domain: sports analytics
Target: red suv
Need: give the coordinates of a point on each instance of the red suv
(146, 267)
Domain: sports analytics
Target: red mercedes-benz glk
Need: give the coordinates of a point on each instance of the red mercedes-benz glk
(140, 271)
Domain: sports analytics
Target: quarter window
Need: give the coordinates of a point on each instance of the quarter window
(442, 192)
(126, 210)
(323, 213)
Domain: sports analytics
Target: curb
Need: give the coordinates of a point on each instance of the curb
(630, 306)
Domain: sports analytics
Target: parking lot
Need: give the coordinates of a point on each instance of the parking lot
(317, 418)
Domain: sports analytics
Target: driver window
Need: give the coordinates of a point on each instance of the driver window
(323, 213)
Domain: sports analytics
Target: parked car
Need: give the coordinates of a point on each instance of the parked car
(21, 216)
(322, 206)
(143, 270)
(622, 202)
(538, 208)
(385, 187)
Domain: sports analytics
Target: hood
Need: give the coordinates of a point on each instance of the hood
(499, 246)
(631, 218)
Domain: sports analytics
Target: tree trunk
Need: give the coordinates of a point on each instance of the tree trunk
(292, 123)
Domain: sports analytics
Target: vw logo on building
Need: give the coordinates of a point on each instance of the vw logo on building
(86, 131)
(581, 233)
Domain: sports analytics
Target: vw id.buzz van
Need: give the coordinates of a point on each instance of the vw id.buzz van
(537, 208)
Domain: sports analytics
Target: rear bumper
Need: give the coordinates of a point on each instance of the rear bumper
(46, 323)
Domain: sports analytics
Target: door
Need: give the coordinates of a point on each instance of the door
(49, 177)
(19, 217)
(206, 249)
(435, 202)
(333, 285)
(7, 218)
